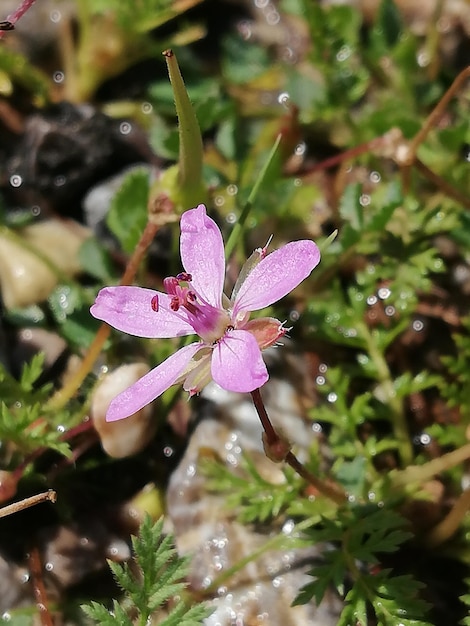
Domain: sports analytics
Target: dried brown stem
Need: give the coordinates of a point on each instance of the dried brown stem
(46, 496)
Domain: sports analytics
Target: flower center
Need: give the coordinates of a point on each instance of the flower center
(209, 322)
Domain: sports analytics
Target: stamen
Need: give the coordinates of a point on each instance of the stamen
(184, 277)
(154, 303)
(170, 284)
(191, 296)
(263, 251)
(175, 303)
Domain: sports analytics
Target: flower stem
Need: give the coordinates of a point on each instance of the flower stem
(62, 396)
(416, 474)
(398, 421)
(273, 442)
(451, 522)
(19, 12)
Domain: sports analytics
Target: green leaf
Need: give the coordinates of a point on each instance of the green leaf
(155, 580)
(127, 217)
(95, 260)
(242, 63)
(388, 24)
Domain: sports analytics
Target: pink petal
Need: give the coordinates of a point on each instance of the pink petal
(152, 385)
(237, 364)
(276, 275)
(202, 254)
(129, 309)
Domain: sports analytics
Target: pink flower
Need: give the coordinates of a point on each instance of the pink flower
(229, 346)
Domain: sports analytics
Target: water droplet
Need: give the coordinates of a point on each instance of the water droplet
(384, 293)
(371, 300)
(371, 496)
(443, 24)
(323, 368)
(343, 53)
(231, 218)
(58, 77)
(375, 177)
(191, 470)
(6, 617)
(284, 99)
(244, 28)
(300, 148)
(219, 201)
(364, 200)
(16, 180)
(423, 58)
(25, 577)
(232, 190)
(55, 16)
(49, 566)
(298, 182)
(168, 451)
(288, 55)
(332, 397)
(125, 128)
(288, 527)
(261, 4)
(418, 325)
(424, 439)
(390, 310)
(146, 107)
(362, 359)
(277, 582)
(351, 498)
(294, 315)
(320, 380)
(61, 428)
(59, 181)
(273, 17)
(35, 210)
(317, 428)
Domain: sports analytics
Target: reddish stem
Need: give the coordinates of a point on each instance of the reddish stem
(40, 595)
(19, 12)
(274, 443)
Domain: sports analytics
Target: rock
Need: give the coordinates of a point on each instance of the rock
(204, 528)
(130, 435)
(27, 277)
